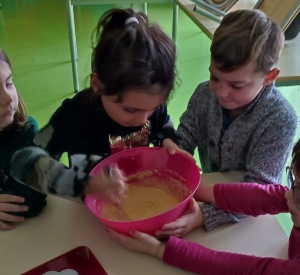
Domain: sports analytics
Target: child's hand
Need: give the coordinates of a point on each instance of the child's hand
(140, 242)
(109, 184)
(173, 148)
(7, 205)
(191, 219)
(295, 212)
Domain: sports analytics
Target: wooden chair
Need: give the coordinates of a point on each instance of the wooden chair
(289, 61)
(135, 4)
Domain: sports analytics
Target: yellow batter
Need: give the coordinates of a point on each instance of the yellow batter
(146, 198)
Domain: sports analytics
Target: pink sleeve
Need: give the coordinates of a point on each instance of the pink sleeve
(294, 244)
(251, 198)
(201, 260)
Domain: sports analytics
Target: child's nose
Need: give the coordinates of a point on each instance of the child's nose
(141, 119)
(222, 90)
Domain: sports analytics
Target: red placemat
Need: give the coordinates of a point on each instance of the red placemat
(79, 261)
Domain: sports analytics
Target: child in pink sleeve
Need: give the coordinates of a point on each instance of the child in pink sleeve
(247, 198)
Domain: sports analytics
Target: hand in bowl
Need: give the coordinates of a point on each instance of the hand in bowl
(191, 219)
(110, 184)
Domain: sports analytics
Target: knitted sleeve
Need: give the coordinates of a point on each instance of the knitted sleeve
(189, 122)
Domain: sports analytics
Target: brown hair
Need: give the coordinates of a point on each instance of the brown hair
(244, 36)
(20, 117)
(133, 55)
(296, 158)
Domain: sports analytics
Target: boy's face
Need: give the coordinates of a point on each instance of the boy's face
(8, 96)
(235, 90)
(134, 109)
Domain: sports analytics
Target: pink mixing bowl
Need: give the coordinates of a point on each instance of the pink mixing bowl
(140, 159)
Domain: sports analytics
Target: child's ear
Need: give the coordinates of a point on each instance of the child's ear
(96, 83)
(271, 76)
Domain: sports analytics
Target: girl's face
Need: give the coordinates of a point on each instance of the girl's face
(134, 109)
(290, 196)
(235, 90)
(8, 96)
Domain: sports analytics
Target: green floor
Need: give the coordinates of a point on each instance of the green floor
(34, 34)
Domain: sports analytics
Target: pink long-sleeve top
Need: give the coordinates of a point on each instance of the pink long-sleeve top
(250, 199)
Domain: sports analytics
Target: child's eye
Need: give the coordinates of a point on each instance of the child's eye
(236, 87)
(129, 110)
(8, 85)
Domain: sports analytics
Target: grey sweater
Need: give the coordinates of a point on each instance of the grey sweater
(258, 141)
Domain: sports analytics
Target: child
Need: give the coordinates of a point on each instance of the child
(238, 120)
(248, 198)
(133, 73)
(17, 201)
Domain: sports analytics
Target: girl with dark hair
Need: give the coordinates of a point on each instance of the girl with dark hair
(133, 74)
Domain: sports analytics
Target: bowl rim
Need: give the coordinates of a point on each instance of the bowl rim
(93, 196)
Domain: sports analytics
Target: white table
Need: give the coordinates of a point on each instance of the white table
(64, 225)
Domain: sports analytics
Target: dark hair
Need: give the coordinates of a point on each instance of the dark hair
(244, 36)
(133, 55)
(20, 117)
(296, 158)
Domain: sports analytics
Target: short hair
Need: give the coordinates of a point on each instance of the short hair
(245, 36)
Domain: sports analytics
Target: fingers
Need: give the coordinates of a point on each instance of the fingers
(10, 218)
(6, 205)
(289, 195)
(11, 198)
(191, 204)
(115, 235)
(115, 194)
(122, 239)
(6, 226)
(171, 229)
(171, 150)
(187, 154)
(9, 207)
(170, 146)
(116, 173)
(174, 225)
(143, 237)
(178, 232)
(137, 234)
(292, 207)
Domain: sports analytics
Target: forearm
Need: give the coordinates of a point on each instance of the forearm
(202, 260)
(33, 166)
(251, 198)
(51, 175)
(245, 198)
(205, 193)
